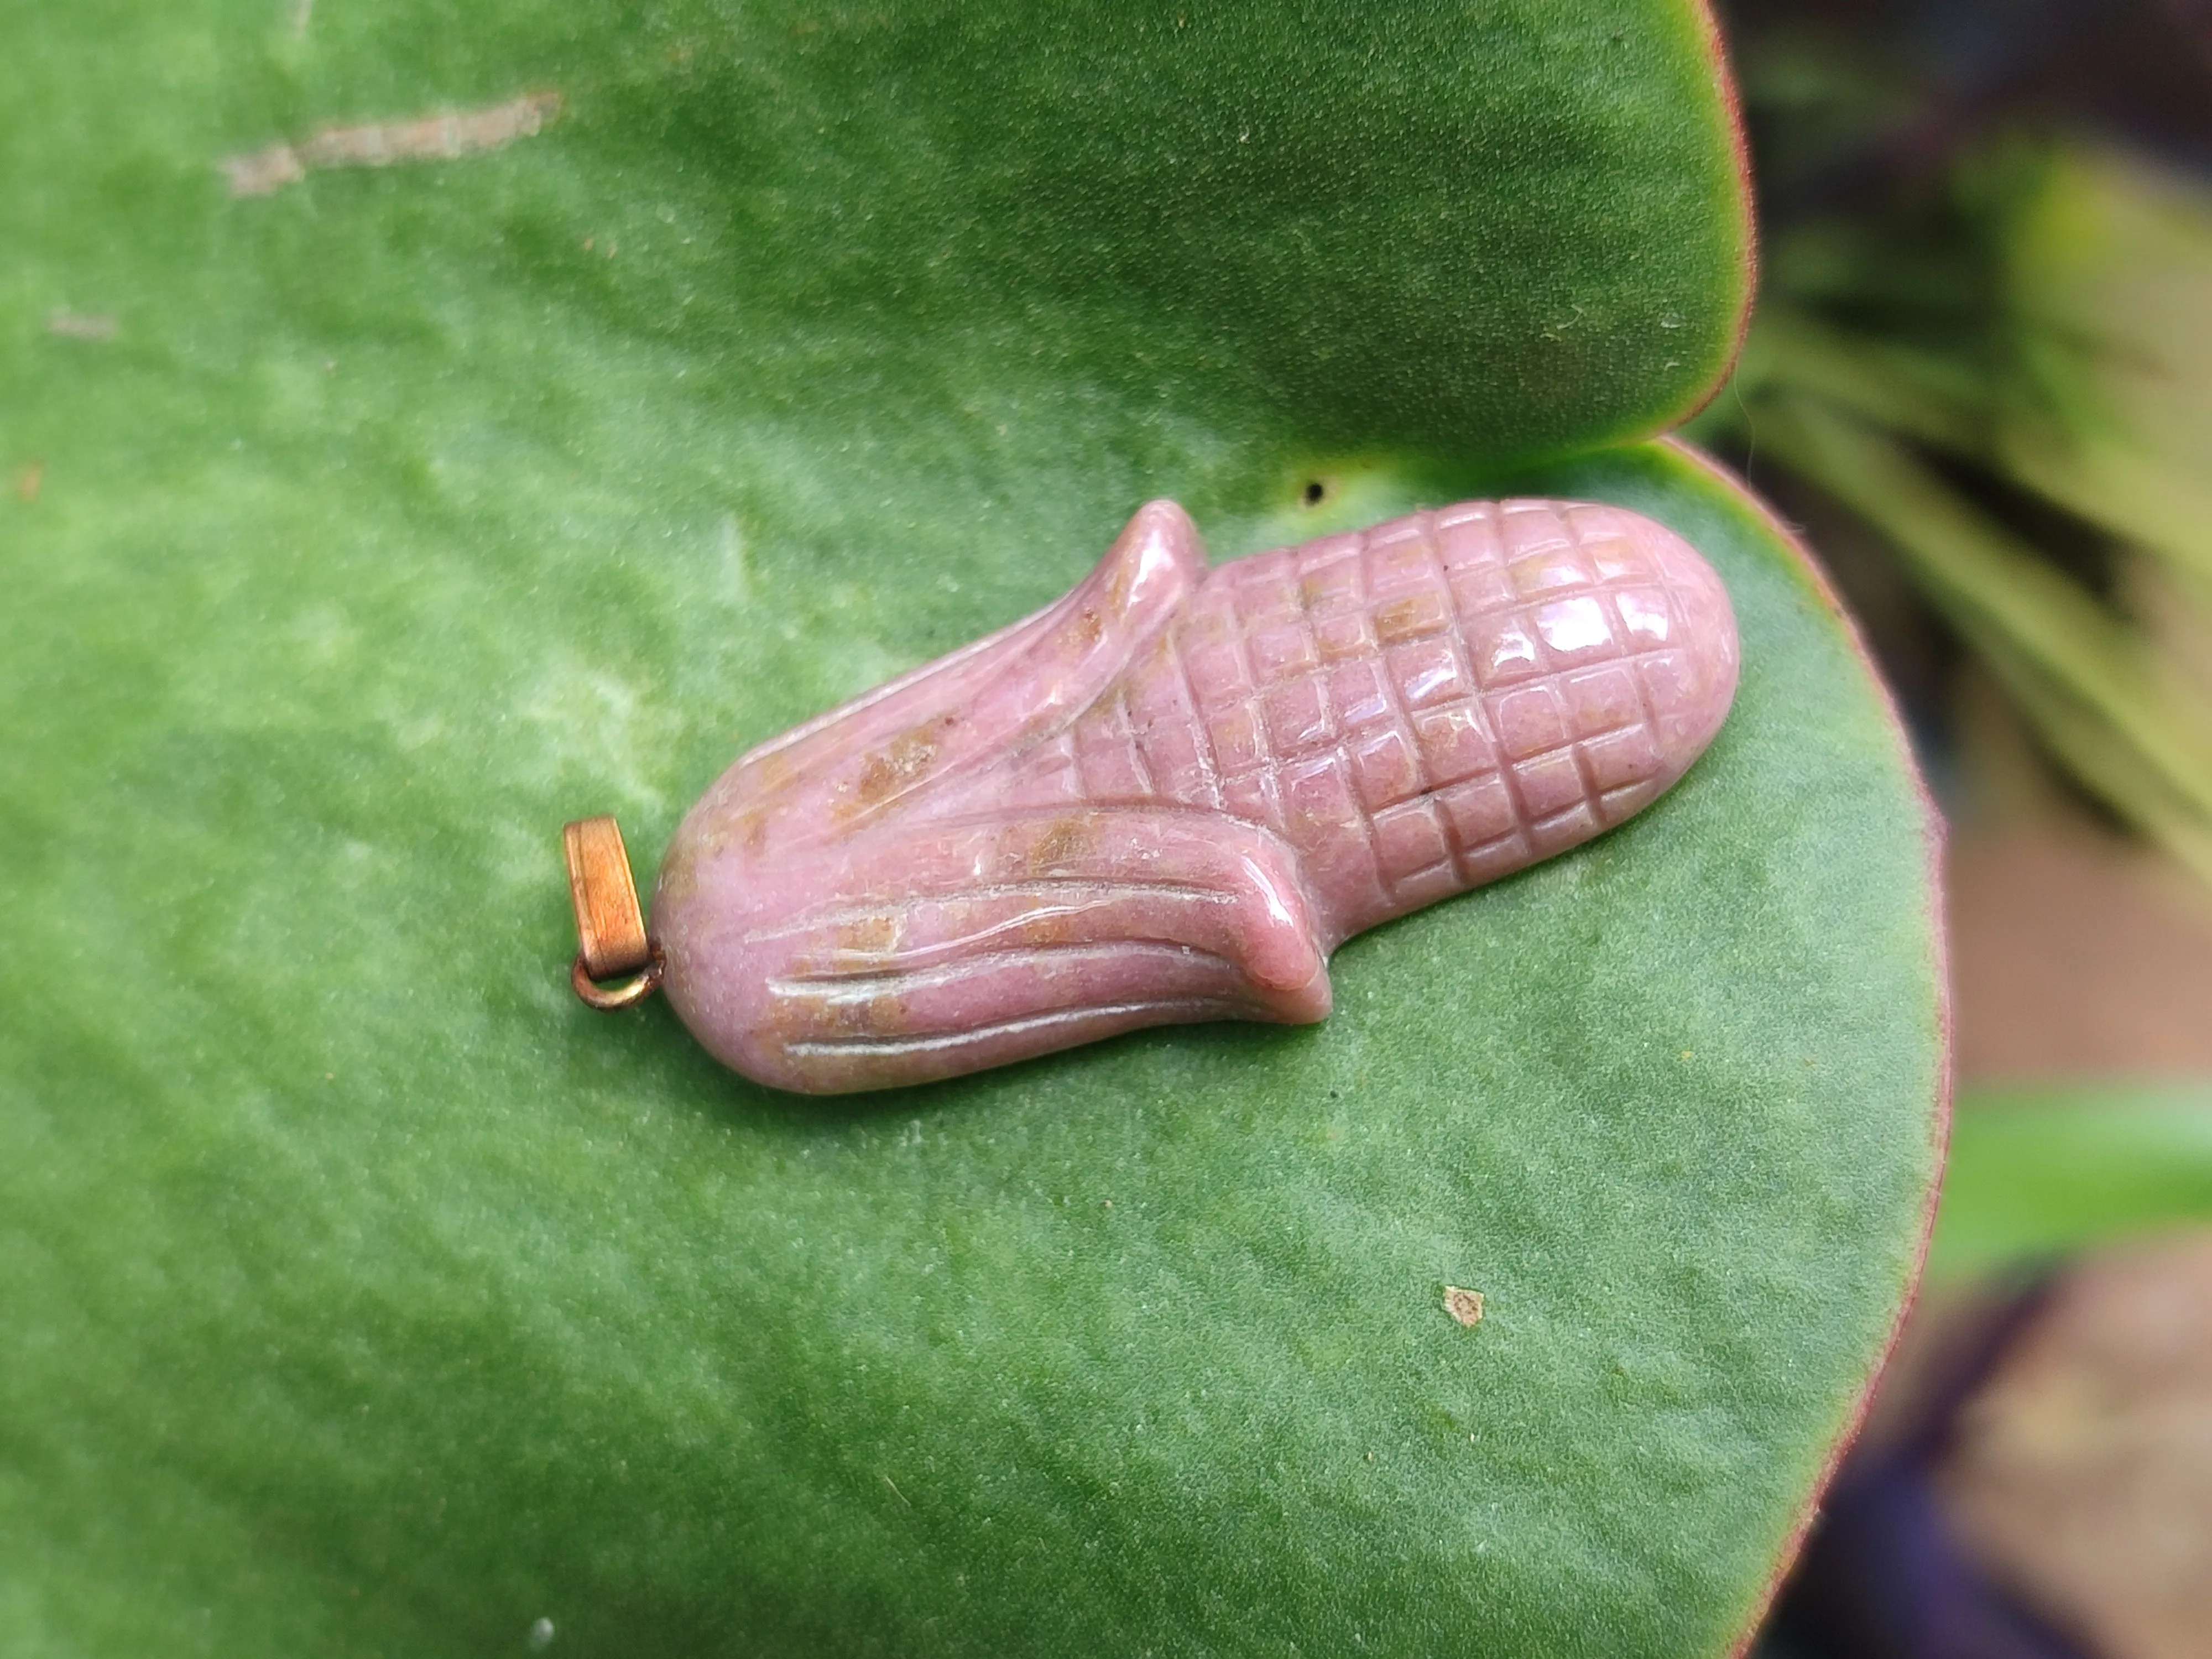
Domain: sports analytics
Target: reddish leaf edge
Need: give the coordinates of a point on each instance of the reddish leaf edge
(1713, 40)
(1933, 833)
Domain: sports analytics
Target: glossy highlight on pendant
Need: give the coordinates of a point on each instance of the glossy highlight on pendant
(1170, 795)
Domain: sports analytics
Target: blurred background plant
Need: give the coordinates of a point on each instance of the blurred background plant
(1985, 332)
(1980, 375)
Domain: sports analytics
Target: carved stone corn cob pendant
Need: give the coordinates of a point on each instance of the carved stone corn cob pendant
(1170, 795)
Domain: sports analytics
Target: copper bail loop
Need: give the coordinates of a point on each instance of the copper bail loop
(611, 939)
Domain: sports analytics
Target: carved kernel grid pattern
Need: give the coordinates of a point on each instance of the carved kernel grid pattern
(1465, 691)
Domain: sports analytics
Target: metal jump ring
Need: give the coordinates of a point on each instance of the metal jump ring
(611, 936)
(622, 995)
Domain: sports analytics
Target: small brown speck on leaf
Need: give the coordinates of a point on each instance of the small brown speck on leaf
(443, 137)
(1465, 1306)
(29, 480)
(80, 326)
(263, 172)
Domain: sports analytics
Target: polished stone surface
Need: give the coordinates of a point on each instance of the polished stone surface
(1170, 795)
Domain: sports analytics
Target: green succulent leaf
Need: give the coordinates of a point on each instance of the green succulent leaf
(366, 1294)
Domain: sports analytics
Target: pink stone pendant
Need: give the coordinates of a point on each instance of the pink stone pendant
(1170, 796)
